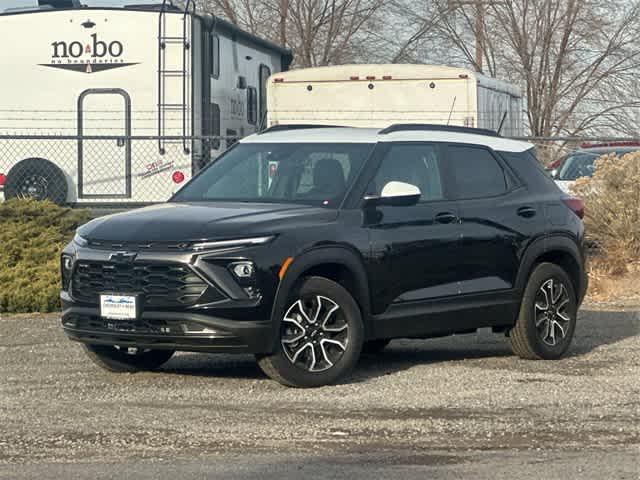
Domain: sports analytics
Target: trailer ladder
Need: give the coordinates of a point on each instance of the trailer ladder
(168, 42)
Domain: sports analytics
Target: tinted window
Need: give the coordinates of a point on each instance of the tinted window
(252, 105)
(265, 73)
(476, 173)
(305, 173)
(416, 164)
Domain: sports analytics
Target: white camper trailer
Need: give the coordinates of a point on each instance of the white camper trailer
(381, 95)
(150, 77)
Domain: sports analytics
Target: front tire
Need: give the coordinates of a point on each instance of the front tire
(547, 320)
(320, 336)
(120, 361)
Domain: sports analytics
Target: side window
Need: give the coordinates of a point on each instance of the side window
(214, 47)
(417, 164)
(264, 74)
(252, 105)
(475, 172)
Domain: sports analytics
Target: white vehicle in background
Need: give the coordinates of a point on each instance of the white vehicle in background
(72, 70)
(380, 95)
(581, 163)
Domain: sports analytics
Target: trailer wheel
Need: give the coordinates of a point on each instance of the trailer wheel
(36, 178)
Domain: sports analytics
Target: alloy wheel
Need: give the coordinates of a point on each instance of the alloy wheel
(315, 333)
(552, 319)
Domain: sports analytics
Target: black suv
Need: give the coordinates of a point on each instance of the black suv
(307, 246)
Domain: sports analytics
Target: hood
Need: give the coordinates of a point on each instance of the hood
(180, 222)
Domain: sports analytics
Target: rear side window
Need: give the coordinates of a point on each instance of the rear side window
(475, 173)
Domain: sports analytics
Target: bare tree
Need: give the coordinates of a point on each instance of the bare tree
(321, 32)
(576, 60)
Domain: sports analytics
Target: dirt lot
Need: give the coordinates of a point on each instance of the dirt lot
(458, 407)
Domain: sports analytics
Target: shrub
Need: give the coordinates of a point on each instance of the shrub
(612, 200)
(32, 234)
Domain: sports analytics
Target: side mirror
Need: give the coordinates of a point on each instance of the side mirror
(554, 173)
(394, 194)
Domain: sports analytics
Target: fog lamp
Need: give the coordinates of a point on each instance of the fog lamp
(243, 270)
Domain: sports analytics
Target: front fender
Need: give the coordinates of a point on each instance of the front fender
(341, 255)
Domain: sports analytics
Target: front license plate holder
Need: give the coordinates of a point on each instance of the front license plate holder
(117, 306)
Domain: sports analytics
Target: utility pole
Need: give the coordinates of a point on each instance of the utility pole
(479, 33)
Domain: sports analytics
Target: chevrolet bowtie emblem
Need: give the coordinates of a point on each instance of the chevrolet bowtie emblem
(123, 257)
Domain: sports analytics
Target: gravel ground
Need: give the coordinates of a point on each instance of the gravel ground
(443, 408)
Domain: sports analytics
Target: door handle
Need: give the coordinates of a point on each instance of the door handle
(446, 217)
(527, 212)
(120, 142)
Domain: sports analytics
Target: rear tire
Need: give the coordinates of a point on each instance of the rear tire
(36, 178)
(548, 312)
(119, 361)
(320, 336)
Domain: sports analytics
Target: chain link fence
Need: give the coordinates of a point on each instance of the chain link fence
(125, 171)
(120, 170)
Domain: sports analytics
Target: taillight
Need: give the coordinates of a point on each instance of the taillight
(575, 204)
(3, 178)
(177, 177)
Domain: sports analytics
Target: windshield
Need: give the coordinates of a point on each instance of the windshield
(17, 5)
(581, 164)
(304, 173)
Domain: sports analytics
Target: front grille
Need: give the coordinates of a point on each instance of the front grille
(160, 284)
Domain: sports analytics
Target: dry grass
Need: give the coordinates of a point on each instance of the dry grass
(623, 289)
(612, 219)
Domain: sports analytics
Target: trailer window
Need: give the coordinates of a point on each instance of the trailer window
(252, 105)
(264, 74)
(214, 47)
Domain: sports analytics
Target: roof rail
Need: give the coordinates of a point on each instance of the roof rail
(295, 126)
(407, 127)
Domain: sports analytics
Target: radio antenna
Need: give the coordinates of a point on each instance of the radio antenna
(504, 117)
(451, 111)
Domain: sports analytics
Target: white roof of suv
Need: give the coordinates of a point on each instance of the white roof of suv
(373, 135)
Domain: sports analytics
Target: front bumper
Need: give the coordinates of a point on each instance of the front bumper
(182, 331)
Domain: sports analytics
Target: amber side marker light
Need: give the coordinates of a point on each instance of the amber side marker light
(284, 267)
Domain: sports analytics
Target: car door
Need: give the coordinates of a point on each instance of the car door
(413, 247)
(495, 221)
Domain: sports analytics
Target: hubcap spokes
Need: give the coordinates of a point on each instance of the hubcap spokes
(314, 333)
(550, 311)
(34, 186)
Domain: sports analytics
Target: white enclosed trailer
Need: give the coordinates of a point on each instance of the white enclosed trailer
(381, 95)
(137, 68)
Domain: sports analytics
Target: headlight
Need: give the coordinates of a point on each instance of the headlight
(80, 241)
(241, 242)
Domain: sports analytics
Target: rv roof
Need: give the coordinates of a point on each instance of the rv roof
(396, 71)
(373, 135)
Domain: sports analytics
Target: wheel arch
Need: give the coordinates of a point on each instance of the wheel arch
(338, 263)
(559, 250)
